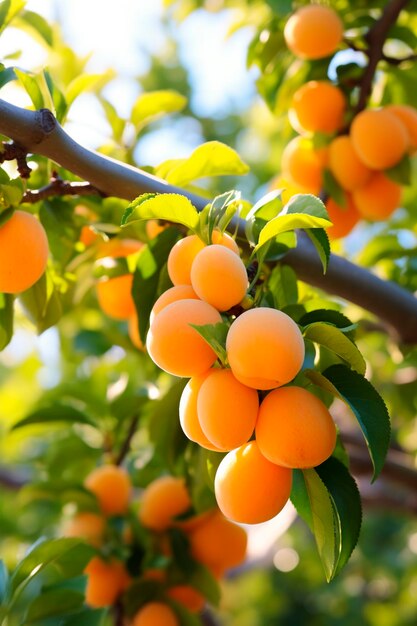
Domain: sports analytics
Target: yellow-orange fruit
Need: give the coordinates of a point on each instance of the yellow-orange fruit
(119, 248)
(23, 252)
(408, 116)
(346, 166)
(317, 106)
(178, 292)
(153, 228)
(189, 420)
(223, 239)
(155, 614)
(265, 348)
(163, 500)
(379, 138)
(114, 296)
(344, 218)
(106, 580)
(192, 599)
(249, 488)
(218, 276)
(88, 236)
(217, 542)
(88, 526)
(174, 345)
(226, 409)
(378, 199)
(133, 331)
(295, 429)
(313, 32)
(181, 257)
(112, 487)
(302, 165)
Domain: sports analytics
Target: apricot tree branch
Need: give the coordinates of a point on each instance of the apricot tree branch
(59, 187)
(39, 132)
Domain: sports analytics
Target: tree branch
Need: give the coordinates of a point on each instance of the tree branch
(125, 447)
(40, 133)
(59, 187)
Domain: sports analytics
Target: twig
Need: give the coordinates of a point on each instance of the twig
(59, 187)
(125, 447)
(14, 152)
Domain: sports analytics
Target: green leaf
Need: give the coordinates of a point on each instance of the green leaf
(401, 173)
(4, 9)
(267, 207)
(333, 339)
(89, 617)
(4, 581)
(153, 105)
(86, 82)
(366, 404)
(7, 75)
(30, 82)
(55, 413)
(307, 204)
(330, 316)
(319, 238)
(6, 319)
(54, 602)
(170, 207)
(203, 580)
(42, 304)
(222, 210)
(39, 24)
(215, 335)
(283, 285)
(332, 187)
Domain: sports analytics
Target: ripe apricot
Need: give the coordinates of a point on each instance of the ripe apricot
(112, 487)
(295, 429)
(317, 106)
(192, 599)
(223, 239)
(249, 488)
(379, 198)
(88, 236)
(344, 218)
(153, 228)
(302, 165)
(163, 499)
(178, 292)
(189, 419)
(313, 32)
(106, 580)
(23, 252)
(114, 296)
(155, 614)
(345, 165)
(226, 409)
(119, 248)
(379, 138)
(174, 345)
(218, 542)
(133, 331)
(218, 276)
(181, 257)
(88, 526)
(265, 348)
(408, 116)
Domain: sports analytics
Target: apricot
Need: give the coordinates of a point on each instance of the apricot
(223, 239)
(163, 499)
(181, 257)
(379, 198)
(114, 296)
(88, 236)
(192, 599)
(217, 542)
(345, 165)
(174, 345)
(106, 580)
(189, 419)
(408, 116)
(112, 487)
(119, 248)
(178, 292)
(218, 277)
(379, 138)
(344, 218)
(313, 32)
(155, 614)
(249, 488)
(226, 409)
(153, 228)
(23, 252)
(317, 106)
(265, 348)
(88, 526)
(295, 429)
(302, 165)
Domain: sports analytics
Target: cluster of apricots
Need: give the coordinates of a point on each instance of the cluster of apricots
(358, 152)
(220, 408)
(212, 540)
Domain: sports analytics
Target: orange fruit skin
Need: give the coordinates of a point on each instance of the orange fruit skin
(23, 252)
(153, 228)
(378, 199)
(302, 165)
(265, 348)
(155, 614)
(223, 239)
(106, 580)
(346, 166)
(313, 32)
(118, 248)
(112, 487)
(192, 599)
(250, 489)
(379, 138)
(181, 257)
(344, 218)
(408, 116)
(174, 345)
(163, 500)
(218, 276)
(114, 296)
(317, 106)
(133, 331)
(88, 236)
(226, 409)
(178, 292)
(189, 419)
(219, 543)
(88, 526)
(295, 429)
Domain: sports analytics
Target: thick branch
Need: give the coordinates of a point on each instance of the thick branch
(38, 132)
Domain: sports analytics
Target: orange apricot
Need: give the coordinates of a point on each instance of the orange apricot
(189, 419)
(249, 488)
(119, 248)
(163, 499)
(408, 116)
(189, 597)
(295, 429)
(379, 138)
(88, 236)
(114, 296)
(133, 331)
(317, 106)
(112, 487)
(155, 614)
(88, 526)
(153, 228)
(344, 218)
(178, 292)
(174, 345)
(218, 542)
(265, 348)
(379, 198)
(106, 580)
(302, 165)
(23, 252)
(226, 409)
(345, 165)
(218, 277)
(223, 239)
(181, 257)
(313, 32)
